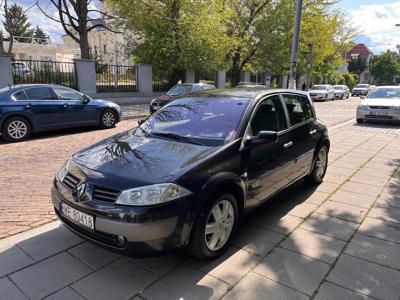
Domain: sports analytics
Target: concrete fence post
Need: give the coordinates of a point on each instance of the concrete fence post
(245, 76)
(6, 77)
(144, 78)
(85, 75)
(220, 79)
(190, 76)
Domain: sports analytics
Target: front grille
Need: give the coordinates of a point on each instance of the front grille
(379, 107)
(71, 181)
(105, 194)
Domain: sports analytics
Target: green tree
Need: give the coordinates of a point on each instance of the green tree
(385, 67)
(17, 25)
(176, 35)
(40, 36)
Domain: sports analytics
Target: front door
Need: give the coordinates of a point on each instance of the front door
(76, 111)
(44, 107)
(303, 133)
(267, 163)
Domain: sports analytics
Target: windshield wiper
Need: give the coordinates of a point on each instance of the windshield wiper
(176, 137)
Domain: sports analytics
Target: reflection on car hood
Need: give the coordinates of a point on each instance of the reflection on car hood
(145, 160)
(381, 101)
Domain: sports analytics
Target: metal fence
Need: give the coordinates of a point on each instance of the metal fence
(39, 71)
(115, 78)
(161, 80)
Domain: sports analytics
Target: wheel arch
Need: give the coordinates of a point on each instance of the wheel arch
(103, 109)
(20, 115)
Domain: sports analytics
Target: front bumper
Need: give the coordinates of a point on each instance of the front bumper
(378, 114)
(134, 231)
(316, 97)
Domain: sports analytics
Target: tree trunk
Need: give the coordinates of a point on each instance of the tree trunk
(84, 45)
(236, 70)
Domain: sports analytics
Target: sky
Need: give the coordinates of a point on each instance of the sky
(374, 19)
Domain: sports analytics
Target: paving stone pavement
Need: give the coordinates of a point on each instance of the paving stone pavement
(338, 240)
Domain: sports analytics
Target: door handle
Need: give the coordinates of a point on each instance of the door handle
(65, 105)
(28, 105)
(287, 145)
(314, 131)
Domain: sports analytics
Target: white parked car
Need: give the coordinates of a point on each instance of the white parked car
(341, 91)
(361, 89)
(383, 104)
(322, 92)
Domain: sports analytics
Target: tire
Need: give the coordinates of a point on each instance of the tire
(108, 119)
(319, 168)
(326, 98)
(200, 244)
(359, 121)
(341, 97)
(16, 129)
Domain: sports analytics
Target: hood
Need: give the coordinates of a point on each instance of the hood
(164, 98)
(141, 160)
(381, 101)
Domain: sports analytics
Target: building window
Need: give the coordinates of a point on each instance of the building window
(104, 49)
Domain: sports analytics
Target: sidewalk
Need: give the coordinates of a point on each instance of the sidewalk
(340, 240)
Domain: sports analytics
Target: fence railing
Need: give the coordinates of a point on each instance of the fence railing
(39, 71)
(161, 80)
(115, 78)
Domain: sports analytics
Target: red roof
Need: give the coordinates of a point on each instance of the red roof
(360, 49)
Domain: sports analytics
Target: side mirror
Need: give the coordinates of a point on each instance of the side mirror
(263, 137)
(141, 121)
(85, 99)
(362, 97)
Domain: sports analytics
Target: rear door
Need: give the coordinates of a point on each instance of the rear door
(303, 133)
(76, 111)
(268, 164)
(44, 107)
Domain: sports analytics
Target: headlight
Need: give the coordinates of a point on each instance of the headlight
(63, 171)
(362, 107)
(152, 194)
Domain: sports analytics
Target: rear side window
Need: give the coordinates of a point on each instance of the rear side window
(269, 116)
(19, 95)
(299, 108)
(39, 93)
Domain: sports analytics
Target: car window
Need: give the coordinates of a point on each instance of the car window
(178, 90)
(298, 107)
(20, 95)
(67, 94)
(269, 116)
(39, 93)
(197, 88)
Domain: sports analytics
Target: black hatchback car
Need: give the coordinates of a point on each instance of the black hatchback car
(190, 171)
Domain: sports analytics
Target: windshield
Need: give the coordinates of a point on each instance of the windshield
(362, 86)
(385, 93)
(338, 87)
(319, 87)
(207, 120)
(178, 90)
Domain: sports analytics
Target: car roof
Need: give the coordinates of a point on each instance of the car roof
(17, 87)
(249, 93)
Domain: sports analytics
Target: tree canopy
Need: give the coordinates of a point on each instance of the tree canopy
(236, 34)
(385, 67)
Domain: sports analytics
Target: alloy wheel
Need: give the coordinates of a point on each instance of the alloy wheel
(219, 225)
(17, 129)
(108, 119)
(321, 163)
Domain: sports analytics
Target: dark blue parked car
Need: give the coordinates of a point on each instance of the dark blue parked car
(31, 108)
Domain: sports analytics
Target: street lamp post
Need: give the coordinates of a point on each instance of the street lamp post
(295, 44)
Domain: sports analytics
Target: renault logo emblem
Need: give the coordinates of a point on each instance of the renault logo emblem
(80, 189)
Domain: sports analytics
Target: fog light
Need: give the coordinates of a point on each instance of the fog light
(121, 239)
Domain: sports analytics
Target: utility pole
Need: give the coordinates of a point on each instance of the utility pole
(295, 44)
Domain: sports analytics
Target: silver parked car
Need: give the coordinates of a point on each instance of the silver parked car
(383, 104)
(361, 89)
(322, 92)
(341, 91)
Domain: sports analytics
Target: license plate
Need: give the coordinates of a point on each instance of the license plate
(379, 114)
(77, 216)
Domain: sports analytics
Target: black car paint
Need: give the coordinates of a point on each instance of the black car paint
(127, 161)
